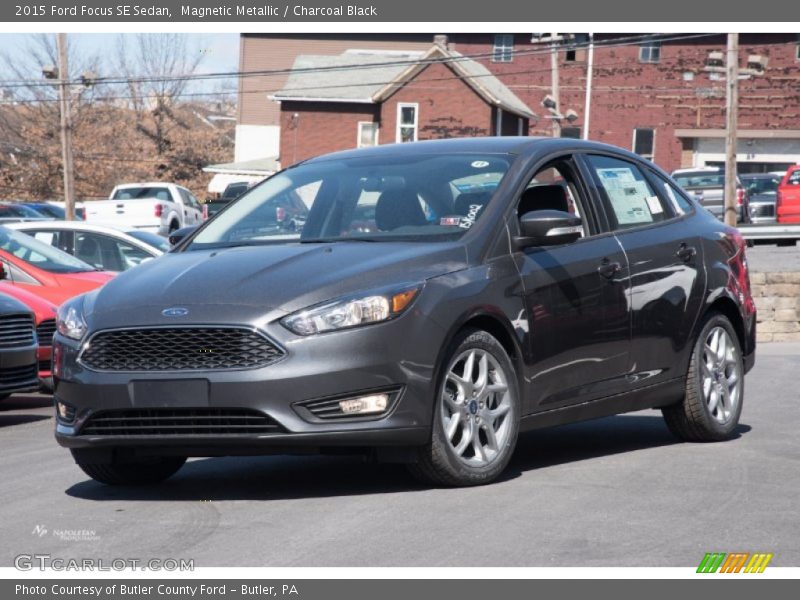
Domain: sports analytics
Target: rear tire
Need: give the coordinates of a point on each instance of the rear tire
(476, 415)
(712, 405)
(143, 471)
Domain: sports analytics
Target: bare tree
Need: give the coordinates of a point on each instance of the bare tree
(30, 163)
(157, 67)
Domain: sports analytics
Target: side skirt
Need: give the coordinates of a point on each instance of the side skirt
(654, 396)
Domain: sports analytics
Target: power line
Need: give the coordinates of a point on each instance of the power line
(597, 66)
(610, 43)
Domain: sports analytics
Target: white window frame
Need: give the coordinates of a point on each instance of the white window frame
(651, 157)
(358, 133)
(503, 52)
(649, 46)
(400, 106)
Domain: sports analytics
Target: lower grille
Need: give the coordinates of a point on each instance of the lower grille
(16, 331)
(45, 332)
(180, 422)
(762, 210)
(19, 375)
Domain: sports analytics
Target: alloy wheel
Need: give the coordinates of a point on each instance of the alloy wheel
(476, 408)
(721, 375)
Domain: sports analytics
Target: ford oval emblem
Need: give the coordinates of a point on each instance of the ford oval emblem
(175, 311)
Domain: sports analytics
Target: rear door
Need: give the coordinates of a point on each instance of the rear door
(664, 255)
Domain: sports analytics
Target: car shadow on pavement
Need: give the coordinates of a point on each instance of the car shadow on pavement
(13, 410)
(293, 477)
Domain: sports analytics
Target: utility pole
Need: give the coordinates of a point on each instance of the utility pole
(66, 127)
(554, 82)
(589, 70)
(731, 119)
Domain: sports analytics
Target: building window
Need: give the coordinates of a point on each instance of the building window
(503, 50)
(367, 134)
(571, 132)
(650, 52)
(407, 120)
(797, 52)
(644, 142)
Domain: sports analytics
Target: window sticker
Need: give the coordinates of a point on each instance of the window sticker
(450, 221)
(628, 196)
(655, 205)
(480, 164)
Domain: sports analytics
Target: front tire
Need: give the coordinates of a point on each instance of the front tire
(476, 415)
(714, 386)
(144, 471)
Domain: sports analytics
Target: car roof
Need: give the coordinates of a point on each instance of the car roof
(81, 226)
(697, 170)
(487, 145)
(147, 184)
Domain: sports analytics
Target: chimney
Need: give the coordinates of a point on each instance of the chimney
(440, 40)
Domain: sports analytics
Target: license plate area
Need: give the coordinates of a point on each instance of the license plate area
(169, 393)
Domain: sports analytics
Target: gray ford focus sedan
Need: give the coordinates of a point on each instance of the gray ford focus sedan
(419, 303)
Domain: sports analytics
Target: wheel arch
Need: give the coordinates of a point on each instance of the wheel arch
(494, 322)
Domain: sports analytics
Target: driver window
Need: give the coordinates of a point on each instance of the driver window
(553, 188)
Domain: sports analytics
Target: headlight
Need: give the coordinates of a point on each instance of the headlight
(351, 312)
(69, 321)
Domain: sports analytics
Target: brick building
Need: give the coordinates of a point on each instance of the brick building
(661, 96)
(364, 98)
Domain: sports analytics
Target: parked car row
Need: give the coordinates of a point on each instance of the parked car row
(760, 197)
(44, 263)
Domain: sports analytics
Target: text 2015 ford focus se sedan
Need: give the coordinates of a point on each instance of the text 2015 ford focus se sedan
(433, 300)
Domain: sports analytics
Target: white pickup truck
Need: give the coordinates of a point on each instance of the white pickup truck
(158, 207)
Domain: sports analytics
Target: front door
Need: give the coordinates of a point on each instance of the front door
(575, 296)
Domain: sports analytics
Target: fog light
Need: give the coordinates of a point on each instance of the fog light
(376, 403)
(65, 412)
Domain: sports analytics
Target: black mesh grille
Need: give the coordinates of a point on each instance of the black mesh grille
(179, 349)
(16, 331)
(45, 332)
(19, 375)
(180, 421)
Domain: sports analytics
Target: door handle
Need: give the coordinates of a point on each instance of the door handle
(608, 269)
(686, 253)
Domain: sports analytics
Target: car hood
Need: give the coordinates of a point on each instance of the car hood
(263, 281)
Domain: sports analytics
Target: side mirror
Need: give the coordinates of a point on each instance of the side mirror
(548, 228)
(177, 236)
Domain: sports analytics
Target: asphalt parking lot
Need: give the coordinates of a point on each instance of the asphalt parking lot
(618, 491)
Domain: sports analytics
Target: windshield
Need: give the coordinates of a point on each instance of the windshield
(135, 193)
(388, 198)
(39, 254)
(701, 179)
(151, 239)
(762, 185)
(19, 210)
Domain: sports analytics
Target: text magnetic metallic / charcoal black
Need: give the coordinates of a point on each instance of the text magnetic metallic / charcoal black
(424, 304)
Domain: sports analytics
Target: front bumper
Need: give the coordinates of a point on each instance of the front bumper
(18, 370)
(344, 364)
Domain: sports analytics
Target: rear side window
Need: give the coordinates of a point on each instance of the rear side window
(680, 203)
(630, 200)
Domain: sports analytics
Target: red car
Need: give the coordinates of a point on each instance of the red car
(45, 271)
(44, 313)
(787, 205)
